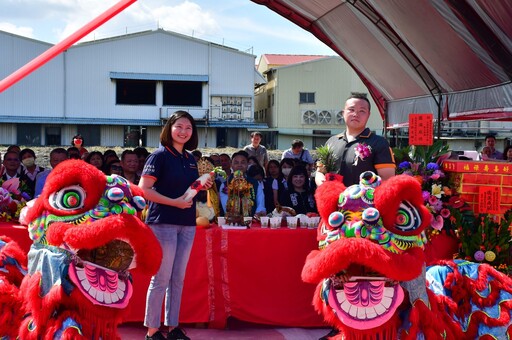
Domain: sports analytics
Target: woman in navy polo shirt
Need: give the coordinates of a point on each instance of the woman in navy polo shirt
(167, 174)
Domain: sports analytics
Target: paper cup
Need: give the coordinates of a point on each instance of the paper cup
(264, 221)
(275, 222)
(304, 220)
(292, 222)
(221, 220)
(313, 222)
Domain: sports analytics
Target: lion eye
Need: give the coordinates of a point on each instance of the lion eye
(371, 216)
(407, 218)
(336, 219)
(68, 198)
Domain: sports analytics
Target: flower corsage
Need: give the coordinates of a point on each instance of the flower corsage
(363, 151)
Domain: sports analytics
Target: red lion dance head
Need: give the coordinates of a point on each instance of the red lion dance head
(370, 271)
(87, 238)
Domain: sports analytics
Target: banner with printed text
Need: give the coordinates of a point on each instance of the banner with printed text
(421, 129)
(489, 200)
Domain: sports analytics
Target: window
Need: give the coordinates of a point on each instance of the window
(132, 136)
(53, 135)
(28, 134)
(135, 92)
(91, 134)
(318, 137)
(306, 97)
(183, 93)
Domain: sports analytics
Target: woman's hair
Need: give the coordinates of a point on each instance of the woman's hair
(253, 158)
(506, 151)
(79, 136)
(289, 161)
(90, 154)
(25, 151)
(276, 163)
(166, 135)
(298, 170)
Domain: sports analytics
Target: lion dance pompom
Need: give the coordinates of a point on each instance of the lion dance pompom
(370, 271)
(87, 238)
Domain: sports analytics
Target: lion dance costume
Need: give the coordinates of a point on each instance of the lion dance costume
(87, 237)
(370, 271)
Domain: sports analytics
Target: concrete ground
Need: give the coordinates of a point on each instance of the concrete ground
(236, 330)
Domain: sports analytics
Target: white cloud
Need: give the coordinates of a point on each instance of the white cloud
(187, 18)
(18, 30)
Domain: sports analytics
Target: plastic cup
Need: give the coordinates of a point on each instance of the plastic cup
(313, 222)
(292, 222)
(221, 220)
(264, 220)
(275, 222)
(304, 220)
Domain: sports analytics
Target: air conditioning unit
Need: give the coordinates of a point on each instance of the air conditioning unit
(339, 118)
(324, 117)
(309, 117)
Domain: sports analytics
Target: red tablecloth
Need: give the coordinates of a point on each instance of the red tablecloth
(253, 275)
(16, 233)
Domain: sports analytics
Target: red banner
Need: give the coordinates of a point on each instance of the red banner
(482, 167)
(489, 200)
(421, 129)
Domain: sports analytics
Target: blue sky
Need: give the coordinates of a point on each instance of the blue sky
(240, 24)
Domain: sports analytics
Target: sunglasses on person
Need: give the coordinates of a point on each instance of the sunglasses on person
(116, 167)
(12, 159)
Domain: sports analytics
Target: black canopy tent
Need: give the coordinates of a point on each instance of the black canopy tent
(449, 57)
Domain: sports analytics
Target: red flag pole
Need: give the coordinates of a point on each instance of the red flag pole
(63, 45)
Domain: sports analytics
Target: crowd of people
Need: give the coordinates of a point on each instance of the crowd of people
(285, 183)
(490, 153)
(22, 164)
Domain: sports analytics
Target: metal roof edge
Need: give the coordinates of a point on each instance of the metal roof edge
(78, 121)
(159, 76)
(232, 124)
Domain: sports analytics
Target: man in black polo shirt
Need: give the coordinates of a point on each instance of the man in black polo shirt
(357, 148)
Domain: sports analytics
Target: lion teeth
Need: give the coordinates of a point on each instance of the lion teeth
(366, 313)
(99, 295)
(386, 302)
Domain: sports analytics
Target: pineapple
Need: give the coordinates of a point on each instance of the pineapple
(326, 158)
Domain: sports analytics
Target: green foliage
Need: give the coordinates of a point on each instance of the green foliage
(402, 154)
(427, 154)
(421, 153)
(327, 157)
(487, 233)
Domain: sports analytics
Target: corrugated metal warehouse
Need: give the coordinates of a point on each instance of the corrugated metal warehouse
(119, 91)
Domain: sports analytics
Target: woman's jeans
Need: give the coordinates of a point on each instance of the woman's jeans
(176, 242)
